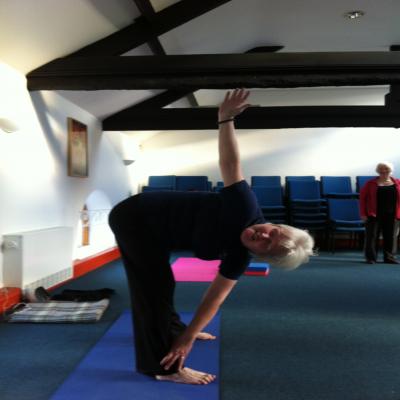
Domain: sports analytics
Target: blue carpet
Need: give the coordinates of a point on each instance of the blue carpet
(107, 372)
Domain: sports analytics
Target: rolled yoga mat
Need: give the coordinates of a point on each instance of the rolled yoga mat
(108, 370)
(257, 269)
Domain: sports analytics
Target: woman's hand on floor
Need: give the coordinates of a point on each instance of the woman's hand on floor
(179, 352)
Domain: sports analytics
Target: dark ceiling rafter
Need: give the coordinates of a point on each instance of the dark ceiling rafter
(141, 30)
(170, 96)
(147, 10)
(219, 71)
(265, 49)
(258, 118)
(392, 99)
(78, 71)
(156, 102)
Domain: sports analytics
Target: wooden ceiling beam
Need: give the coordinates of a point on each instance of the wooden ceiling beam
(141, 31)
(147, 10)
(219, 71)
(392, 99)
(256, 118)
(170, 96)
(156, 102)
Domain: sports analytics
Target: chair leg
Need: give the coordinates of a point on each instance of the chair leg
(327, 238)
(329, 241)
(333, 242)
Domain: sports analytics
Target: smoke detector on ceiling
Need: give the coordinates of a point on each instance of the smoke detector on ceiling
(354, 14)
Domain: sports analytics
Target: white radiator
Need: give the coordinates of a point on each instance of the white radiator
(37, 258)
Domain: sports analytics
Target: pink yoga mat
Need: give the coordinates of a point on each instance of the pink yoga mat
(190, 269)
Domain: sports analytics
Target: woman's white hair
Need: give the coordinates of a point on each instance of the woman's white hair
(384, 164)
(297, 247)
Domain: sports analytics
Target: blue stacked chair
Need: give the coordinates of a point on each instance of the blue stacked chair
(337, 187)
(291, 178)
(218, 186)
(192, 183)
(271, 203)
(344, 217)
(156, 189)
(160, 183)
(266, 180)
(300, 178)
(307, 207)
(361, 180)
(163, 181)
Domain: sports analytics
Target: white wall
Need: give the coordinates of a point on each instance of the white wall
(317, 151)
(324, 151)
(35, 191)
(100, 235)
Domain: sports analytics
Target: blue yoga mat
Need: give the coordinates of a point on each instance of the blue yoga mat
(108, 370)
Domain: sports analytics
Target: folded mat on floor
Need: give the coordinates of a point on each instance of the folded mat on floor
(60, 312)
(108, 370)
(192, 269)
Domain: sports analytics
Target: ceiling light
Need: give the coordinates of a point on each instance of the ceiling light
(354, 14)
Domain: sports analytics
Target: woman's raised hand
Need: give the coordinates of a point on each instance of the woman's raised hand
(234, 103)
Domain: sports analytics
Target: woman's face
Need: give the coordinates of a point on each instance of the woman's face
(263, 239)
(384, 171)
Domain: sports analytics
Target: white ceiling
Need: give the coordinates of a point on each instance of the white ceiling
(34, 32)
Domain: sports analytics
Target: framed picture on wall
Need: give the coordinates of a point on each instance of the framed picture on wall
(77, 149)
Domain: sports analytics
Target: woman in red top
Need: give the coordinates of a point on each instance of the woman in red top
(380, 209)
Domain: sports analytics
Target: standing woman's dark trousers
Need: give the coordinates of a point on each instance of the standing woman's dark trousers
(151, 285)
(388, 225)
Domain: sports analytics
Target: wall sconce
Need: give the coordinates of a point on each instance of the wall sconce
(8, 126)
(128, 162)
(130, 151)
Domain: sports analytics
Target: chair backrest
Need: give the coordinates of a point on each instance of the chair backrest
(157, 188)
(192, 183)
(300, 178)
(162, 180)
(267, 180)
(335, 184)
(268, 195)
(344, 209)
(305, 190)
(291, 178)
(361, 180)
(218, 186)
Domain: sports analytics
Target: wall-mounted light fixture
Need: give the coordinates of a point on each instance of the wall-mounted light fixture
(130, 150)
(8, 126)
(128, 162)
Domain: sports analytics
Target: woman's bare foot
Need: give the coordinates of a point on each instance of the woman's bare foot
(188, 376)
(205, 336)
